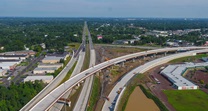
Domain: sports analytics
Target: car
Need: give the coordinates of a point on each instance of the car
(87, 73)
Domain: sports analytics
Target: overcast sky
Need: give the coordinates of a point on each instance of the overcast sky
(105, 8)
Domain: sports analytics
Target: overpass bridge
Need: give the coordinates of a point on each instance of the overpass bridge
(46, 102)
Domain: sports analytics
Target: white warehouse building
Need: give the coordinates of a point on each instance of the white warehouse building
(174, 73)
(57, 65)
(45, 79)
(43, 70)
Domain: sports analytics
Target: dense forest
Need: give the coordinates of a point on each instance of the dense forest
(16, 96)
(55, 33)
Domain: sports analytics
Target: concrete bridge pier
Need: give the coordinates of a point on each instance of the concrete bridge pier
(144, 57)
(122, 64)
(97, 74)
(133, 60)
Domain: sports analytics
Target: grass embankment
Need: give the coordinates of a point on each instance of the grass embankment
(73, 99)
(69, 73)
(95, 94)
(188, 59)
(188, 100)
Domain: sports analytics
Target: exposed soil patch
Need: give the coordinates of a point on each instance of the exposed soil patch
(135, 103)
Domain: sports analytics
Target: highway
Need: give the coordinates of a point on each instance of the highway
(53, 96)
(85, 93)
(53, 84)
(77, 69)
(109, 105)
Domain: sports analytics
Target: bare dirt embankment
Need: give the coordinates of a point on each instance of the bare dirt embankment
(139, 102)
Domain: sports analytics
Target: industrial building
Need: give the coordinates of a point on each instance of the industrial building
(51, 59)
(174, 73)
(14, 57)
(9, 65)
(57, 65)
(24, 52)
(45, 79)
(3, 72)
(44, 70)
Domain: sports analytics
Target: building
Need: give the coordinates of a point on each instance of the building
(3, 72)
(24, 52)
(43, 45)
(60, 56)
(174, 73)
(99, 37)
(10, 65)
(44, 70)
(57, 65)
(45, 79)
(51, 59)
(14, 57)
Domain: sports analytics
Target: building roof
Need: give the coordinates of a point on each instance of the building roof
(2, 70)
(56, 64)
(33, 78)
(18, 52)
(175, 72)
(9, 60)
(13, 55)
(52, 58)
(44, 68)
(58, 54)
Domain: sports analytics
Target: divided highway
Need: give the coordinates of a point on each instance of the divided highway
(85, 93)
(53, 96)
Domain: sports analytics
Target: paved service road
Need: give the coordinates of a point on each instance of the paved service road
(53, 96)
(109, 105)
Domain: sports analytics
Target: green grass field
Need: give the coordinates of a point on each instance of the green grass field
(188, 100)
(188, 59)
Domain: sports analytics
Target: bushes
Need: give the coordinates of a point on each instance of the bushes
(155, 99)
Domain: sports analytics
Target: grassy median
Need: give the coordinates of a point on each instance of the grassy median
(69, 73)
(94, 95)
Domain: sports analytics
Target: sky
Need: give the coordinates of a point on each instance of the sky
(105, 8)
